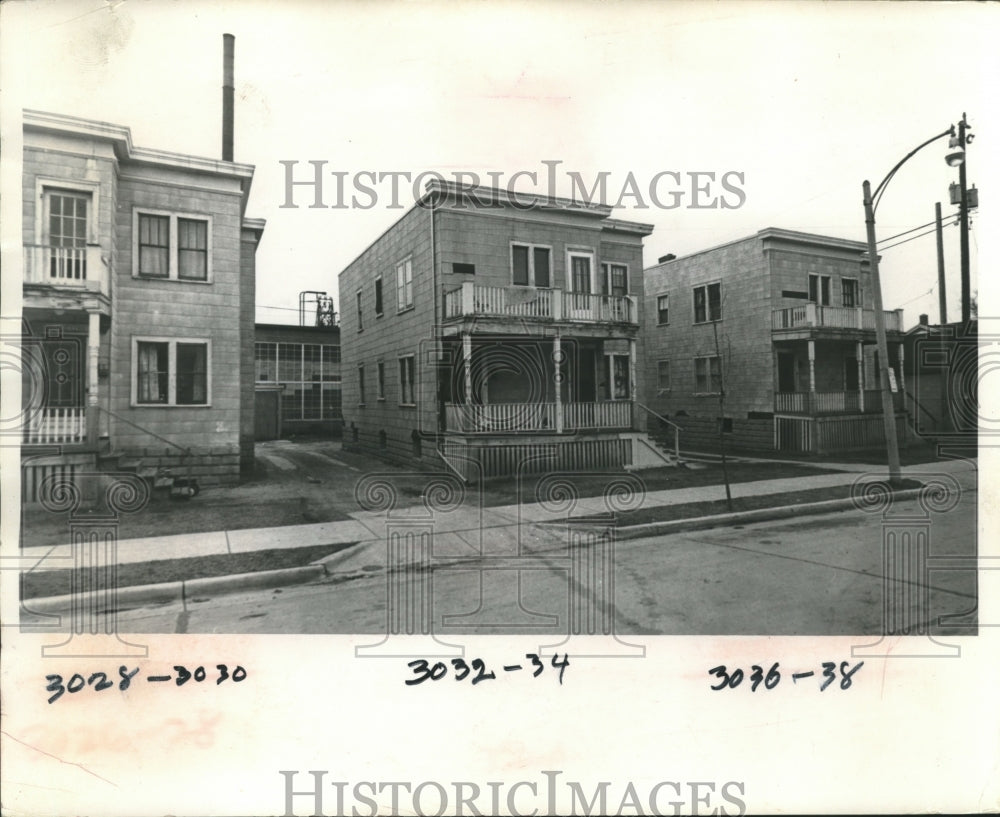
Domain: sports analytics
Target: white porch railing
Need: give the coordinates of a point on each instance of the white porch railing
(540, 417)
(72, 267)
(837, 317)
(834, 402)
(609, 414)
(56, 425)
(548, 304)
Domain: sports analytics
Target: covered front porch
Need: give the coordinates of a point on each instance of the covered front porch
(60, 377)
(497, 384)
(819, 377)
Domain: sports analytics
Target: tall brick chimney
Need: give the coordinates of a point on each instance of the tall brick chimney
(228, 48)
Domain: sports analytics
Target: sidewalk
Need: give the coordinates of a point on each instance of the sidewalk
(460, 532)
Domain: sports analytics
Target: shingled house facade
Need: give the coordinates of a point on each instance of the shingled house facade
(138, 306)
(496, 333)
(782, 322)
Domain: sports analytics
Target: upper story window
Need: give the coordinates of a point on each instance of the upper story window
(663, 309)
(172, 246)
(615, 279)
(361, 314)
(531, 265)
(819, 289)
(581, 272)
(708, 303)
(378, 296)
(67, 218)
(171, 372)
(850, 292)
(404, 285)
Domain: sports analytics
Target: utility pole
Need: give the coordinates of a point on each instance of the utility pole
(964, 225)
(888, 410)
(942, 301)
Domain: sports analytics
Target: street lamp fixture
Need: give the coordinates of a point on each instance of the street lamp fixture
(954, 157)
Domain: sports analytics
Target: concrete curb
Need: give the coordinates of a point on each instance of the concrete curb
(758, 515)
(186, 590)
(221, 585)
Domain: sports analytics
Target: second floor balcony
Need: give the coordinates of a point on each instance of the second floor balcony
(79, 269)
(529, 303)
(833, 317)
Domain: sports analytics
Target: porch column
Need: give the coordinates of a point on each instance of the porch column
(859, 353)
(812, 375)
(631, 379)
(467, 362)
(93, 353)
(557, 379)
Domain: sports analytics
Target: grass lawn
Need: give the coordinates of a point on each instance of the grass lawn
(57, 582)
(690, 510)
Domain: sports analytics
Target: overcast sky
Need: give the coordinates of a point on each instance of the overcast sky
(804, 100)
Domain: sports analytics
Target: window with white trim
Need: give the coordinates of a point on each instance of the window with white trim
(662, 310)
(708, 303)
(406, 380)
(819, 289)
(615, 279)
(662, 376)
(404, 285)
(530, 265)
(171, 246)
(171, 372)
(707, 375)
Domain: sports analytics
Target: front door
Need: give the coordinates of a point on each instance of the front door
(786, 372)
(851, 381)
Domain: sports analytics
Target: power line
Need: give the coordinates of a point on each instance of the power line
(919, 235)
(914, 229)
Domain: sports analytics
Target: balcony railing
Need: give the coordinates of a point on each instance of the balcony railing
(542, 304)
(55, 425)
(832, 402)
(78, 268)
(537, 417)
(836, 317)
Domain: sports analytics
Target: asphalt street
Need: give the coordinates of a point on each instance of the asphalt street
(813, 575)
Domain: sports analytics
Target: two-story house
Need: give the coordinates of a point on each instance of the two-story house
(780, 322)
(497, 332)
(138, 306)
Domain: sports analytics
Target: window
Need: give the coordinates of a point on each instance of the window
(404, 285)
(168, 372)
(380, 375)
(580, 272)
(361, 314)
(662, 376)
(406, 380)
(67, 219)
(708, 303)
(707, 375)
(463, 269)
(850, 292)
(378, 296)
(172, 246)
(663, 310)
(361, 384)
(618, 377)
(309, 375)
(154, 246)
(192, 249)
(819, 289)
(530, 265)
(615, 279)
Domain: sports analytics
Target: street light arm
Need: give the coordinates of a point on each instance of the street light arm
(877, 195)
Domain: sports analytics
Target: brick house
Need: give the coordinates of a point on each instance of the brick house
(138, 306)
(796, 344)
(488, 329)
